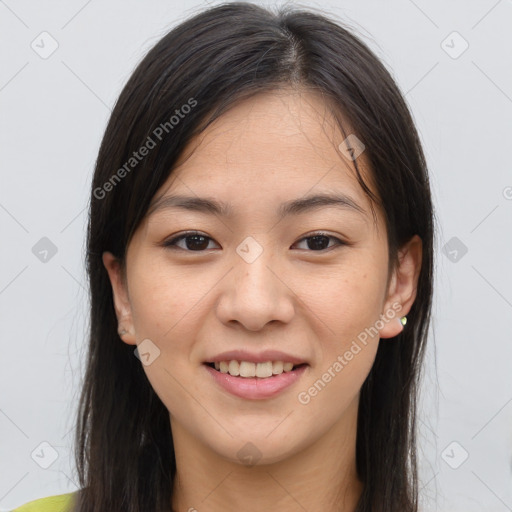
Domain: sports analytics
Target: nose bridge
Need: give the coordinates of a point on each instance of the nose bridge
(256, 277)
(255, 295)
(252, 272)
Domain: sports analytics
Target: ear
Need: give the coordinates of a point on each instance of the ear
(402, 287)
(121, 300)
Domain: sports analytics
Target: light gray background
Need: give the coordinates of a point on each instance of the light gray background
(54, 111)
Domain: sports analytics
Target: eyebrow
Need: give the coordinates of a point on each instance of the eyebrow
(211, 206)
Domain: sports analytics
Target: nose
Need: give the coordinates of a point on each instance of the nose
(255, 294)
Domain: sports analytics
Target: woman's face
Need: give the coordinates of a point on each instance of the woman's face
(255, 280)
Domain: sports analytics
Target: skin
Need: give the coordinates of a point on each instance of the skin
(294, 297)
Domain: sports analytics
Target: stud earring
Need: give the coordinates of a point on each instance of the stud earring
(403, 320)
(121, 332)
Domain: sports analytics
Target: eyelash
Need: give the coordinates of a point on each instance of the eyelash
(171, 243)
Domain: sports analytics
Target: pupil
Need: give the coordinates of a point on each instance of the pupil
(315, 242)
(199, 246)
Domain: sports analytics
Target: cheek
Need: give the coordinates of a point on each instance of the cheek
(347, 298)
(332, 389)
(162, 305)
(163, 299)
(348, 309)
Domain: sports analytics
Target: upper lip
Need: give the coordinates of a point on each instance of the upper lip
(261, 357)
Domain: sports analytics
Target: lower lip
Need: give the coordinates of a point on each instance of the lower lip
(256, 388)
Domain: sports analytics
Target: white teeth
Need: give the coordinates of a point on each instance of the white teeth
(277, 367)
(248, 369)
(234, 368)
(264, 369)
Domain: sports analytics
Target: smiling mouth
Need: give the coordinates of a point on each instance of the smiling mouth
(254, 370)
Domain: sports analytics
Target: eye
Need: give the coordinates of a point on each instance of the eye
(198, 242)
(194, 241)
(318, 240)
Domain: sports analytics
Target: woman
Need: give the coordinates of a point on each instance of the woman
(260, 257)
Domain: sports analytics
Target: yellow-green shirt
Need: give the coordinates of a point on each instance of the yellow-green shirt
(57, 503)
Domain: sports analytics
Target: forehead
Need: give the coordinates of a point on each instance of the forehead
(271, 147)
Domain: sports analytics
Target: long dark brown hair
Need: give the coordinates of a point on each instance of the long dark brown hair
(221, 56)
